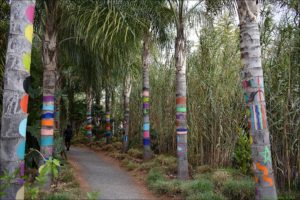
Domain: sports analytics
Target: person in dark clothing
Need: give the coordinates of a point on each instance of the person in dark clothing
(68, 136)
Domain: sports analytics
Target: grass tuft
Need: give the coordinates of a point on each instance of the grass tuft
(172, 187)
(58, 196)
(136, 153)
(154, 175)
(243, 189)
(219, 177)
(206, 196)
(168, 163)
(118, 145)
(197, 186)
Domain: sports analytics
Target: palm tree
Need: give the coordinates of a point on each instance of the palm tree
(181, 122)
(253, 85)
(50, 55)
(126, 96)
(105, 23)
(89, 119)
(87, 67)
(107, 116)
(4, 26)
(146, 95)
(181, 14)
(131, 69)
(15, 97)
(155, 18)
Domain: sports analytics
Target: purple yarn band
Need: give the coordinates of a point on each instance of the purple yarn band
(48, 98)
(145, 105)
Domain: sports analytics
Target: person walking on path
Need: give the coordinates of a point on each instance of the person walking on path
(68, 136)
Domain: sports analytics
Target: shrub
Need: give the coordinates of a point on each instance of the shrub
(203, 176)
(168, 163)
(136, 153)
(118, 145)
(242, 154)
(132, 165)
(125, 162)
(67, 176)
(203, 169)
(205, 196)
(170, 187)
(197, 186)
(154, 175)
(58, 196)
(149, 165)
(219, 177)
(118, 155)
(166, 160)
(108, 147)
(243, 189)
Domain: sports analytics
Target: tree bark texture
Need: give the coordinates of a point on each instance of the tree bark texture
(146, 97)
(49, 79)
(253, 85)
(107, 117)
(15, 96)
(181, 121)
(58, 100)
(127, 91)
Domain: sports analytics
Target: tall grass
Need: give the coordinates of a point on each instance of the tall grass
(216, 113)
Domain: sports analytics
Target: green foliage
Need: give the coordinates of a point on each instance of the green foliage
(206, 175)
(242, 154)
(67, 176)
(239, 189)
(132, 165)
(209, 195)
(166, 164)
(93, 195)
(5, 180)
(197, 186)
(32, 188)
(58, 196)
(65, 186)
(148, 165)
(154, 175)
(136, 153)
(4, 27)
(166, 160)
(170, 187)
(157, 182)
(289, 196)
(51, 166)
(59, 146)
(219, 177)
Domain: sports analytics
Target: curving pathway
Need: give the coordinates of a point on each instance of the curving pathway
(102, 176)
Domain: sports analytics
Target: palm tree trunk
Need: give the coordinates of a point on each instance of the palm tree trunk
(49, 80)
(146, 97)
(15, 97)
(181, 122)
(107, 117)
(112, 112)
(127, 91)
(253, 85)
(58, 101)
(89, 119)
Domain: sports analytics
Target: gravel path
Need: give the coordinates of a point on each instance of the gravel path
(111, 181)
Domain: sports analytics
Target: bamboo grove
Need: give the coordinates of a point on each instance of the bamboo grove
(229, 98)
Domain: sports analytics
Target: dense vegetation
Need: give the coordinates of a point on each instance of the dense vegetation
(100, 44)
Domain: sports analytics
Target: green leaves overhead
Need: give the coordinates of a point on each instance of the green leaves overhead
(102, 23)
